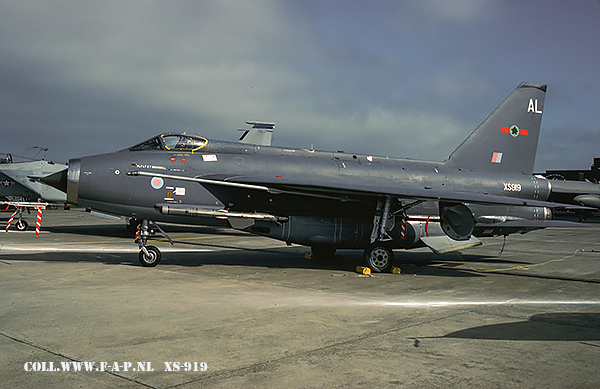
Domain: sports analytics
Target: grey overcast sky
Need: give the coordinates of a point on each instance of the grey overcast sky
(394, 78)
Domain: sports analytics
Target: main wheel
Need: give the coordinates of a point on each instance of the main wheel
(153, 257)
(21, 225)
(379, 258)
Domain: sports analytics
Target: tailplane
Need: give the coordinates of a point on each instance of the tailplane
(507, 140)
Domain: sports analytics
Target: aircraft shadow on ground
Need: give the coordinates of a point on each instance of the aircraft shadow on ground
(431, 264)
(260, 258)
(413, 263)
(542, 327)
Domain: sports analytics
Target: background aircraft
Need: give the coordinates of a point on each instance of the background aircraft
(577, 192)
(21, 187)
(329, 200)
(578, 186)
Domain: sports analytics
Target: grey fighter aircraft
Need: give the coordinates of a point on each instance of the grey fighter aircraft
(578, 192)
(22, 180)
(21, 186)
(329, 200)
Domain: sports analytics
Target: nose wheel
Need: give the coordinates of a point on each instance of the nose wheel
(149, 256)
(21, 225)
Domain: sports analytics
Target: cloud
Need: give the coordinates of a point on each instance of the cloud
(109, 63)
(438, 12)
(392, 78)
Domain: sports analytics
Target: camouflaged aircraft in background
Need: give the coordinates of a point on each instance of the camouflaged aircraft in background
(21, 187)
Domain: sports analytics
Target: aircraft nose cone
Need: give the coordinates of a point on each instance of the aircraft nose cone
(57, 180)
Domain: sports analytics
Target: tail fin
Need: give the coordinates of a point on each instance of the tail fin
(507, 140)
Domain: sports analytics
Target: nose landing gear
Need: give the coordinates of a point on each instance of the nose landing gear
(21, 225)
(149, 256)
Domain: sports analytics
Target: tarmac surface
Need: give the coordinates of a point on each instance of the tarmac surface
(246, 311)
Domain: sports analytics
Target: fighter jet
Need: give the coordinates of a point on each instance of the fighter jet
(578, 192)
(329, 200)
(22, 189)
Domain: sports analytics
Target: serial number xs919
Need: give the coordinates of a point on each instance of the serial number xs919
(186, 366)
(77, 366)
(512, 187)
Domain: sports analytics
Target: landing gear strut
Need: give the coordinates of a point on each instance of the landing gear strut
(149, 256)
(379, 255)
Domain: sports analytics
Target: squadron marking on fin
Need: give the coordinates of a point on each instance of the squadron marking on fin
(514, 131)
(533, 106)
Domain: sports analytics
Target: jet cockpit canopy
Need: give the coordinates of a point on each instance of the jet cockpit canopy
(169, 141)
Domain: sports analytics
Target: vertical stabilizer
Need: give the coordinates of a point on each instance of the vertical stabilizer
(507, 140)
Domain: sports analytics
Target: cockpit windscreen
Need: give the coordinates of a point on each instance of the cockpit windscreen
(179, 142)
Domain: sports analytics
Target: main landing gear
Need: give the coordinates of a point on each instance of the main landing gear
(149, 256)
(379, 257)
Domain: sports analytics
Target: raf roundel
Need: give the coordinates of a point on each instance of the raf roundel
(157, 182)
